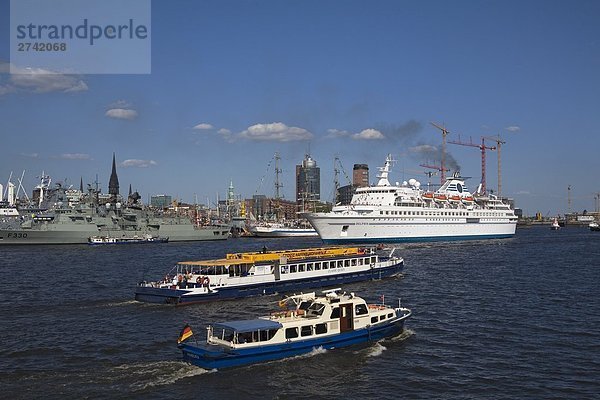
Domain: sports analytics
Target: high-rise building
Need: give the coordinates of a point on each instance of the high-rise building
(161, 201)
(360, 175)
(360, 178)
(113, 183)
(308, 182)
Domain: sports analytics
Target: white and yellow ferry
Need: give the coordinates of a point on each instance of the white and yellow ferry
(268, 272)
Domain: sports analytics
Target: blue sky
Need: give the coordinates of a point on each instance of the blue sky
(233, 82)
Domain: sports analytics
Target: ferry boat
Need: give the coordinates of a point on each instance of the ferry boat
(275, 229)
(405, 213)
(555, 225)
(594, 226)
(268, 272)
(330, 321)
(96, 240)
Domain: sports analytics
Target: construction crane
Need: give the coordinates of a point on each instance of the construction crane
(442, 169)
(499, 143)
(336, 182)
(481, 147)
(437, 168)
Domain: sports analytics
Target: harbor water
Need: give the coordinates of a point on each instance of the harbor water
(514, 318)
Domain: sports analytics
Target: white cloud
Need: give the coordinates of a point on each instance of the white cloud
(75, 156)
(513, 128)
(30, 155)
(203, 127)
(277, 131)
(368, 134)
(134, 163)
(38, 80)
(122, 113)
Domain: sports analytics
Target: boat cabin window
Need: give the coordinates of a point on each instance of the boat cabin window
(320, 329)
(335, 313)
(309, 266)
(301, 267)
(373, 260)
(340, 264)
(291, 333)
(345, 228)
(360, 261)
(304, 305)
(373, 320)
(317, 266)
(353, 262)
(390, 315)
(306, 330)
(382, 317)
(293, 268)
(267, 335)
(360, 309)
(316, 309)
(325, 264)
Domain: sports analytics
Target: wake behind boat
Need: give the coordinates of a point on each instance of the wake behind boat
(330, 321)
(406, 213)
(268, 272)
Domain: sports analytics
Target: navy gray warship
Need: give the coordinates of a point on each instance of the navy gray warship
(73, 219)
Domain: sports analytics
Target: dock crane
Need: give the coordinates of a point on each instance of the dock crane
(442, 168)
(499, 143)
(481, 147)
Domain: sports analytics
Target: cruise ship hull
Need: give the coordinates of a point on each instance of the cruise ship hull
(341, 229)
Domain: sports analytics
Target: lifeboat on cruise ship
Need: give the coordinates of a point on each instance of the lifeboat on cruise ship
(428, 195)
(467, 199)
(440, 197)
(454, 198)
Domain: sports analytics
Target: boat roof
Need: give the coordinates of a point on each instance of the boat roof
(272, 255)
(250, 325)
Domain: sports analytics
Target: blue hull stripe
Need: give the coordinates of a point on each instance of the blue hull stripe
(414, 239)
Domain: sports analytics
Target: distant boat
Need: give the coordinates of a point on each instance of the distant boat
(555, 226)
(594, 226)
(95, 240)
(274, 229)
(330, 321)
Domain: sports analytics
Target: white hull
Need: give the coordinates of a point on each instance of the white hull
(341, 228)
(265, 231)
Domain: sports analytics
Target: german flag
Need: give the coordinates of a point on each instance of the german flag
(186, 332)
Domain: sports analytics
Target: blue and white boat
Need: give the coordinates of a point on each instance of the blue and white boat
(268, 272)
(97, 240)
(331, 321)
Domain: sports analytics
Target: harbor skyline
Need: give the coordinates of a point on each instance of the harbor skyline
(356, 82)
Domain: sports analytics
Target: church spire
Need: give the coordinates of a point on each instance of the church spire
(113, 183)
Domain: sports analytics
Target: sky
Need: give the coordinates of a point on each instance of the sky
(234, 82)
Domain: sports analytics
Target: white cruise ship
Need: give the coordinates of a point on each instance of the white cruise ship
(406, 213)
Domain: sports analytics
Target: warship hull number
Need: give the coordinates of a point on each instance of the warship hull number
(15, 235)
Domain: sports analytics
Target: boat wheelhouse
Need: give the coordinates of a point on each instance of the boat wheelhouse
(331, 321)
(268, 272)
